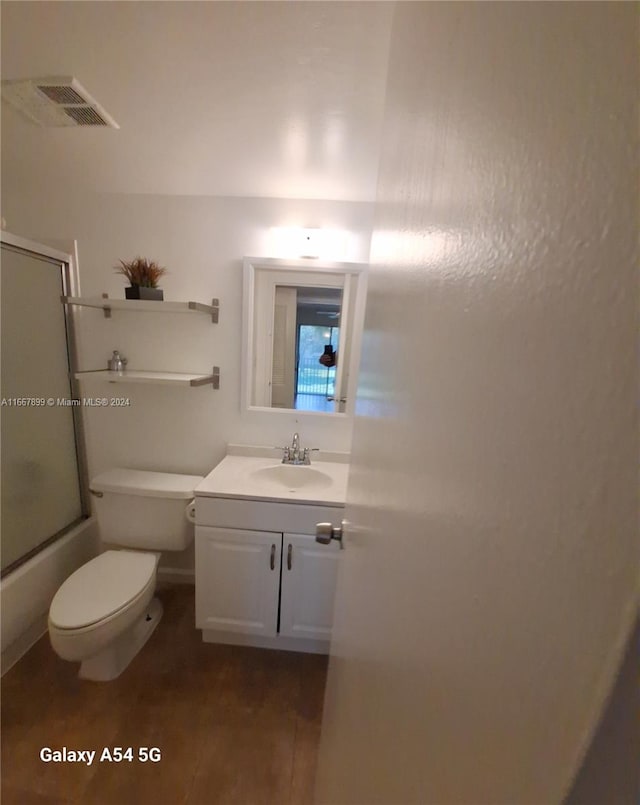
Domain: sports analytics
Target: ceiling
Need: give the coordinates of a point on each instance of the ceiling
(271, 99)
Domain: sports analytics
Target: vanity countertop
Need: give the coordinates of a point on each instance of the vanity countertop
(264, 477)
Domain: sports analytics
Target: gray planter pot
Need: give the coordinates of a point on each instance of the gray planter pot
(140, 292)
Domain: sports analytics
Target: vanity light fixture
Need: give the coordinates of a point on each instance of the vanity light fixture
(308, 243)
(310, 240)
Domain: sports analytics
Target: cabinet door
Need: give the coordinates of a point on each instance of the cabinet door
(237, 580)
(309, 573)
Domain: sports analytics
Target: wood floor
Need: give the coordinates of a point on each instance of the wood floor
(234, 725)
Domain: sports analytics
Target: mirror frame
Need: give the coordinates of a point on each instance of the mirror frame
(299, 267)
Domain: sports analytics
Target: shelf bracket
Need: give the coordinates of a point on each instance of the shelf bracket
(213, 379)
(106, 309)
(213, 308)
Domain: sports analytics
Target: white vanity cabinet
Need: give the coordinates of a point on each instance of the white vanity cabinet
(261, 578)
(237, 580)
(309, 572)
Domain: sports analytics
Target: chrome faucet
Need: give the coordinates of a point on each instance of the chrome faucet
(296, 454)
(295, 447)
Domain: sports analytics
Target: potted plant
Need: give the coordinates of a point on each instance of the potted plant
(143, 276)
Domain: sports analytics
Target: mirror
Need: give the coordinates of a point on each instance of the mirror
(302, 329)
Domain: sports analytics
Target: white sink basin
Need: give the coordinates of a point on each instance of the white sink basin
(293, 476)
(264, 477)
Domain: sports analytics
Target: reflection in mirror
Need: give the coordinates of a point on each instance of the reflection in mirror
(306, 332)
(302, 330)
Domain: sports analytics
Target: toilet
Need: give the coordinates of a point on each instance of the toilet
(105, 612)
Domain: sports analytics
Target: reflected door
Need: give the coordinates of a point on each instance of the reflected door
(284, 348)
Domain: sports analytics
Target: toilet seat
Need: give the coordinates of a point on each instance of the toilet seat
(110, 621)
(100, 590)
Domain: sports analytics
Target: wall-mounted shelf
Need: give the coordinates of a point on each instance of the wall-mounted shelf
(143, 305)
(154, 378)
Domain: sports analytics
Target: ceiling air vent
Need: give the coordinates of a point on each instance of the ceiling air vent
(56, 101)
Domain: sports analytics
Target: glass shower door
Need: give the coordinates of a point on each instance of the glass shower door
(40, 480)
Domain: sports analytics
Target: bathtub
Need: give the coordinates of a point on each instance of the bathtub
(25, 594)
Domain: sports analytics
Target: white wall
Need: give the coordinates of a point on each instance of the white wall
(201, 240)
(490, 577)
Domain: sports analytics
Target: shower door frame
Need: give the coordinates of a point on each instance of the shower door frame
(70, 287)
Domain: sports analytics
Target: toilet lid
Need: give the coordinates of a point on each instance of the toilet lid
(101, 587)
(143, 483)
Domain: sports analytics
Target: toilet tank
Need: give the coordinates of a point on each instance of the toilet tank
(146, 510)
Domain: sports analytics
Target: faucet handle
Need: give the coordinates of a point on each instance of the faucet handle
(306, 454)
(286, 452)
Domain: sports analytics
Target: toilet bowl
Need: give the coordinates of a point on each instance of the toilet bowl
(105, 612)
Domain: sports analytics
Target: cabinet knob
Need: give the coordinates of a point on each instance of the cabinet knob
(273, 557)
(289, 556)
(325, 532)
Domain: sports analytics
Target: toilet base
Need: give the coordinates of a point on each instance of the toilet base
(112, 660)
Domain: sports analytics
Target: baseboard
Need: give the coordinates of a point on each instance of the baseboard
(176, 575)
(19, 647)
(304, 644)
